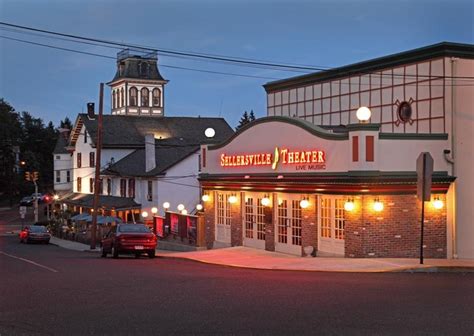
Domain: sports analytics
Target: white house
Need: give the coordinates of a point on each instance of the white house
(147, 159)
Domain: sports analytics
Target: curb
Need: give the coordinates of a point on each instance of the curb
(427, 269)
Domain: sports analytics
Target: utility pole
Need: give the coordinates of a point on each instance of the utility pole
(36, 201)
(97, 168)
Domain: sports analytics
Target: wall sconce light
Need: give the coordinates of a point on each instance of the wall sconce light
(378, 206)
(304, 203)
(205, 198)
(199, 207)
(166, 205)
(180, 207)
(265, 201)
(349, 205)
(232, 199)
(437, 203)
(154, 210)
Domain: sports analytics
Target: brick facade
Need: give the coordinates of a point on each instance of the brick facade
(393, 232)
(309, 225)
(236, 229)
(209, 219)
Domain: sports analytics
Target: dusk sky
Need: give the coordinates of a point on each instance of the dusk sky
(52, 84)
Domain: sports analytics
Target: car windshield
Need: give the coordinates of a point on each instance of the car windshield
(133, 228)
(38, 229)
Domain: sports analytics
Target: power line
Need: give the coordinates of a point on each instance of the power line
(211, 71)
(111, 57)
(208, 56)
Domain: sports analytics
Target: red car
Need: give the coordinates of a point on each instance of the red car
(35, 234)
(130, 239)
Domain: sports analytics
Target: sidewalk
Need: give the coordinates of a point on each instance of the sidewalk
(245, 257)
(260, 259)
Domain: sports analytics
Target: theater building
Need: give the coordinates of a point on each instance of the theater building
(313, 178)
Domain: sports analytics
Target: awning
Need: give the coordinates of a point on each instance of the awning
(344, 183)
(106, 202)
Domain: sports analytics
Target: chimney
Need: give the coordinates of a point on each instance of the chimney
(150, 160)
(90, 110)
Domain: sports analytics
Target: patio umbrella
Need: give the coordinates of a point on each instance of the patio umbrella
(80, 217)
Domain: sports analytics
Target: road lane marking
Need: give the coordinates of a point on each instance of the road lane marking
(30, 262)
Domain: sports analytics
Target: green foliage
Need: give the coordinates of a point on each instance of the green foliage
(245, 119)
(24, 138)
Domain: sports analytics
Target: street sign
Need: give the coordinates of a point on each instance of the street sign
(22, 210)
(424, 171)
(22, 215)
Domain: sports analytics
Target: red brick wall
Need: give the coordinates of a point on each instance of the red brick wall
(236, 230)
(209, 219)
(395, 231)
(309, 225)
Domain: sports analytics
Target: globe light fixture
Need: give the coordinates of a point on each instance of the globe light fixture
(349, 205)
(205, 198)
(265, 201)
(363, 114)
(180, 207)
(437, 203)
(199, 207)
(144, 214)
(378, 206)
(232, 199)
(304, 203)
(166, 205)
(154, 210)
(184, 212)
(209, 132)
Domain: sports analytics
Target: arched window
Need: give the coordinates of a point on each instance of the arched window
(119, 98)
(133, 96)
(114, 99)
(145, 97)
(156, 97)
(122, 98)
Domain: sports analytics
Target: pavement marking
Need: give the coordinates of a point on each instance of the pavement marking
(30, 262)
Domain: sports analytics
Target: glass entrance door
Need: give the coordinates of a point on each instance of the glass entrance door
(331, 225)
(288, 225)
(254, 221)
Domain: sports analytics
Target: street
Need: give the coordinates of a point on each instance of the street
(47, 290)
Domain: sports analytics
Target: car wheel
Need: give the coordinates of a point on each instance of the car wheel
(104, 253)
(115, 252)
(151, 254)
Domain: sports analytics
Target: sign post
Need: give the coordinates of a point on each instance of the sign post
(424, 171)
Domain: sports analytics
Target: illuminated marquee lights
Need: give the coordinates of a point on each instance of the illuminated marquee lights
(285, 156)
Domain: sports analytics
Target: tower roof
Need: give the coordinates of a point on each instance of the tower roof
(137, 65)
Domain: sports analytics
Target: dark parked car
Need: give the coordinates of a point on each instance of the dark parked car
(130, 239)
(35, 234)
(27, 201)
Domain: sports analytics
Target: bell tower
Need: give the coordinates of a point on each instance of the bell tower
(138, 87)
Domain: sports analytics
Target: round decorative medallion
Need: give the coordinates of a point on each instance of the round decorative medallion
(404, 112)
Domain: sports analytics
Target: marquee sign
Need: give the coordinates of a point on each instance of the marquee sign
(306, 160)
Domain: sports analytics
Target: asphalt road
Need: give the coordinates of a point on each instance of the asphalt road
(53, 291)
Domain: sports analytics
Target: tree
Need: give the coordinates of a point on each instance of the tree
(251, 116)
(245, 119)
(10, 137)
(66, 123)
